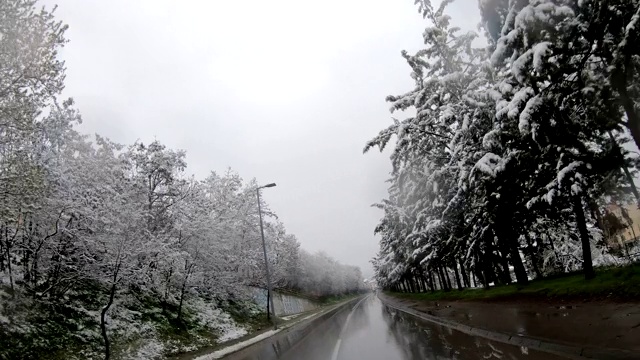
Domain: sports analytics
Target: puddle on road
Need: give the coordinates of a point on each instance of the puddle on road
(420, 339)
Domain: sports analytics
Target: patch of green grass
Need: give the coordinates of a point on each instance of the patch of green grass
(259, 322)
(617, 282)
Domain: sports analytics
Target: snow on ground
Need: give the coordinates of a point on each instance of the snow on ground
(209, 316)
(122, 320)
(137, 332)
(149, 346)
(151, 349)
(231, 334)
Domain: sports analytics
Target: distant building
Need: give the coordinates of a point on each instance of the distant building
(622, 225)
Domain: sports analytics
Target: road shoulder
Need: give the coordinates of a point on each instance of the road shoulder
(255, 339)
(505, 323)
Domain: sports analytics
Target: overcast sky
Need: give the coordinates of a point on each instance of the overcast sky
(286, 91)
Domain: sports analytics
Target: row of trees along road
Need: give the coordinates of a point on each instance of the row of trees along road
(512, 143)
(78, 213)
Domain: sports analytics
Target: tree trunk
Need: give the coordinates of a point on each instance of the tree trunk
(455, 270)
(182, 291)
(489, 274)
(502, 270)
(431, 280)
(439, 276)
(445, 278)
(7, 248)
(427, 284)
(2, 266)
(555, 251)
(465, 275)
(504, 235)
(25, 265)
(483, 270)
(491, 265)
(533, 256)
(518, 267)
(103, 323)
(188, 270)
(620, 83)
(268, 302)
(587, 264)
(503, 263)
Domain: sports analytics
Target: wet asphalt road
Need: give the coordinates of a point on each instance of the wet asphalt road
(373, 331)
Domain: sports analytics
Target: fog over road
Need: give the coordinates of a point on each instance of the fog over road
(373, 331)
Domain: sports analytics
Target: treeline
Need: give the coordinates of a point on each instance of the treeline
(510, 150)
(88, 223)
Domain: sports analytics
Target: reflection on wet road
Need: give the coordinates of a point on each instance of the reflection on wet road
(374, 331)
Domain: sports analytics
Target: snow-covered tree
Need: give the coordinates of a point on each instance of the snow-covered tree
(498, 141)
(90, 229)
(554, 100)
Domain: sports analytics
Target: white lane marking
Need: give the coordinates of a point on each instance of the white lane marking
(336, 348)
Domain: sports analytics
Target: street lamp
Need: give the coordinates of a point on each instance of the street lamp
(266, 261)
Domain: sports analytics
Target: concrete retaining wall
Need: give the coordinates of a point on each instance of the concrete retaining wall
(284, 304)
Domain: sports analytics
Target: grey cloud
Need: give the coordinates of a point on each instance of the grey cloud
(283, 91)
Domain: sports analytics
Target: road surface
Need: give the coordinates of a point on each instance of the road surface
(375, 332)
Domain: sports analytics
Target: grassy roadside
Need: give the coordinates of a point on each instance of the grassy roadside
(611, 283)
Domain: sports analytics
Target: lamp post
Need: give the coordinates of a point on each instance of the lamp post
(266, 261)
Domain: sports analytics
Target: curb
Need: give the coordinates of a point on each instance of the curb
(275, 342)
(568, 351)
